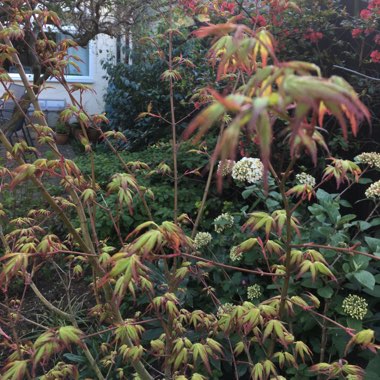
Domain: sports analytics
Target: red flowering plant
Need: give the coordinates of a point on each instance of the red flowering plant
(341, 43)
(367, 30)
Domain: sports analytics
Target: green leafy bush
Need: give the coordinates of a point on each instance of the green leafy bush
(137, 88)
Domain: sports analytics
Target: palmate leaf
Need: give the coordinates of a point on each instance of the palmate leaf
(45, 346)
(336, 94)
(199, 351)
(215, 30)
(15, 261)
(279, 90)
(171, 74)
(289, 91)
(240, 50)
(264, 47)
(70, 334)
(16, 370)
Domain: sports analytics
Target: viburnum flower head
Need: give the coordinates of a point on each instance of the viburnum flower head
(253, 292)
(372, 159)
(248, 169)
(223, 222)
(373, 191)
(225, 167)
(355, 307)
(234, 254)
(305, 179)
(202, 239)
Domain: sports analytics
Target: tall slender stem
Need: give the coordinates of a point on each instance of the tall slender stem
(288, 239)
(172, 114)
(207, 187)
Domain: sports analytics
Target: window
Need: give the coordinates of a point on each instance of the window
(83, 54)
(84, 74)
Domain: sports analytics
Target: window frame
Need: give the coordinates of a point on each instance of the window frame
(90, 78)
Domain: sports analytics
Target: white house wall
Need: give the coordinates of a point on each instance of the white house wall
(102, 48)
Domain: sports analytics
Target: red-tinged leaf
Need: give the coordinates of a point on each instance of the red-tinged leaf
(215, 30)
(15, 370)
(121, 266)
(15, 262)
(265, 135)
(335, 93)
(265, 43)
(200, 351)
(303, 68)
(205, 120)
(305, 266)
(257, 372)
(302, 349)
(227, 145)
(323, 110)
(319, 139)
(229, 103)
(338, 113)
(69, 335)
(141, 227)
(268, 329)
(24, 172)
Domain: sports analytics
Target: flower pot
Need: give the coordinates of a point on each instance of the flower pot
(61, 138)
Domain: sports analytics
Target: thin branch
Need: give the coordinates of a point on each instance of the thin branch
(251, 271)
(356, 73)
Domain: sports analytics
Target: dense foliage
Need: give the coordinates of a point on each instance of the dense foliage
(139, 89)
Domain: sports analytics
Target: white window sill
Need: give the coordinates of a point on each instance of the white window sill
(69, 78)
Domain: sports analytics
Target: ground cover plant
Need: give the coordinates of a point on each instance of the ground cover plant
(211, 256)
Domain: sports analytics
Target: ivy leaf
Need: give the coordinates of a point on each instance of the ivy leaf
(365, 278)
(325, 292)
(373, 244)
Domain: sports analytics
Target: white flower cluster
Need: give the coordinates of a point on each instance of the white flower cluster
(372, 159)
(354, 306)
(373, 191)
(254, 291)
(225, 309)
(248, 170)
(225, 167)
(305, 179)
(223, 222)
(234, 255)
(202, 239)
